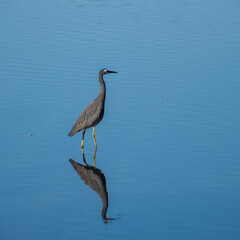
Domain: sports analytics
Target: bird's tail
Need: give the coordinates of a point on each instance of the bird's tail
(74, 130)
(71, 133)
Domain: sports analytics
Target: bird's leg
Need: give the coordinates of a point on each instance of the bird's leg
(93, 134)
(83, 138)
(94, 157)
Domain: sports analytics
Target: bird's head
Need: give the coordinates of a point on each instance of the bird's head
(105, 71)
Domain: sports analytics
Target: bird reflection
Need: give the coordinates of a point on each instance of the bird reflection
(95, 179)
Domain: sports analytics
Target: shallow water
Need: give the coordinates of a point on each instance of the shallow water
(168, 144)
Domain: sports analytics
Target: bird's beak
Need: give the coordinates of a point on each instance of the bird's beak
(111, 71)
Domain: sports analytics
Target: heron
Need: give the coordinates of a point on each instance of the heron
(94, 112)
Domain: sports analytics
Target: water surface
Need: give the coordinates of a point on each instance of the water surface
(168, 143)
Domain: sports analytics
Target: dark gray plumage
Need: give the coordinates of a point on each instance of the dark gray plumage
(94, 112)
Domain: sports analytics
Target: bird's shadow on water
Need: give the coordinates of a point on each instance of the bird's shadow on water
(95, 179)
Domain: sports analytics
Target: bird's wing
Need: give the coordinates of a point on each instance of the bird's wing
(87, 118)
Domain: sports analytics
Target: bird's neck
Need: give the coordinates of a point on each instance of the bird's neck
(102, 92)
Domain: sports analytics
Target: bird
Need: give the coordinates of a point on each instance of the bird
(94, 112)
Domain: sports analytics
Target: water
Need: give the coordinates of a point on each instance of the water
(168, 144)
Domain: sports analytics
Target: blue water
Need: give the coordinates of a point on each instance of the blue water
(168, 146)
